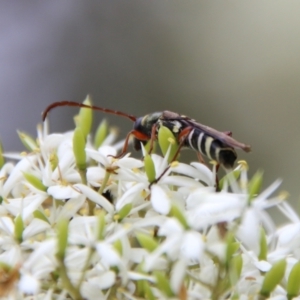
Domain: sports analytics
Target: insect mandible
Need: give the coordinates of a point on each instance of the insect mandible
(214, 144)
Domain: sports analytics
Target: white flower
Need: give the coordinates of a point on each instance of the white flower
(177, 226)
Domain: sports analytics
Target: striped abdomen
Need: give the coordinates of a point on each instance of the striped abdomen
(211, 147)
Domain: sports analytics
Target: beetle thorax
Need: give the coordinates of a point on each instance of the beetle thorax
(174, 125)
(145, 124)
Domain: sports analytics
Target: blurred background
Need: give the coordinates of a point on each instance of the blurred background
(232, 65)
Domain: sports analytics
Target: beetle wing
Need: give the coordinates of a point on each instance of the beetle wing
(226, 139)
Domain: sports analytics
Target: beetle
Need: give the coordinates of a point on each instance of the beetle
(214, 144)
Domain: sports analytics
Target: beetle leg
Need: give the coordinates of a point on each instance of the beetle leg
(153, 137)
(182, 136)
(136, 134)
(184, 133)
(200, 158)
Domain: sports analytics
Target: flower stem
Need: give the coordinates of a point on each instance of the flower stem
(104, 182)
(66, 282)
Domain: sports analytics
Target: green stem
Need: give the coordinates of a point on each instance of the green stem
(66, 282)
(88, 261)
(82, 174)
(104, 182)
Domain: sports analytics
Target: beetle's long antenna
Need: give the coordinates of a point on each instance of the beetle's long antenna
(76, 104)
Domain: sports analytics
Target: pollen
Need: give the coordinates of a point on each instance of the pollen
(144, 193)
(283, 195)
(174, 164)
(171, 141)
(213, 162)
(116, 217)
(243, 164)
(83, 211)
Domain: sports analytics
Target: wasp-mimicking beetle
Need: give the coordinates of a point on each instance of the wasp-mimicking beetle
(216, 145)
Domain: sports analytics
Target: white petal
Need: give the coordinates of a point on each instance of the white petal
(90, 291)
(170, 227)
(130, 163)
(160, 163)
(25, 206)
(102, 156)
(197, 171)
(76, 258)
(181, 181)
(33, 202)
(28, 284)
(108, 254)
(192, 246)
(95, 197)
(288, 234)
(7, 225)
(207, 174)
(138, 255)
(140, 276)
(105, 280)
(213, 208)
(45, 249)
(249, 230)
(177, 275)
(269, 190)
(160, 200)
(170, 246)
(36, 226)
(17, 174)
(62, 192)
(130, 195)
(263, 265)
(95, 175)
(71, 207)
(52, 141)
(107, 151)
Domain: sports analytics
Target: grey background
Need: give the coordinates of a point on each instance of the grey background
(232, 65)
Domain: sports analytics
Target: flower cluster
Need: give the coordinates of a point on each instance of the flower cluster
(77, 223)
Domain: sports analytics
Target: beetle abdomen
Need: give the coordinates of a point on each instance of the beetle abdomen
(211, 147)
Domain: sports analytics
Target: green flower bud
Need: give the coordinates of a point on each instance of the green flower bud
(101, 134)
(165, 139)
(79, 149)
(149, 168)
(2, 160)
(176, 213)
(28, 142)
(162, 283)
(62, 236)
(255, 185)
(101, 226)
(39, 215)
(236, 174)
(19, 228)
(293, 283)
(118, 246)
(232, 247)
(235, 270)
(263, 245)
(273, 277)
(36, 182)
(124, 211)
(53, 161)
(146, 241)
(85, 117)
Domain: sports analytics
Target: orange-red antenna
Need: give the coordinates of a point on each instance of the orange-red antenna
(76, 104)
